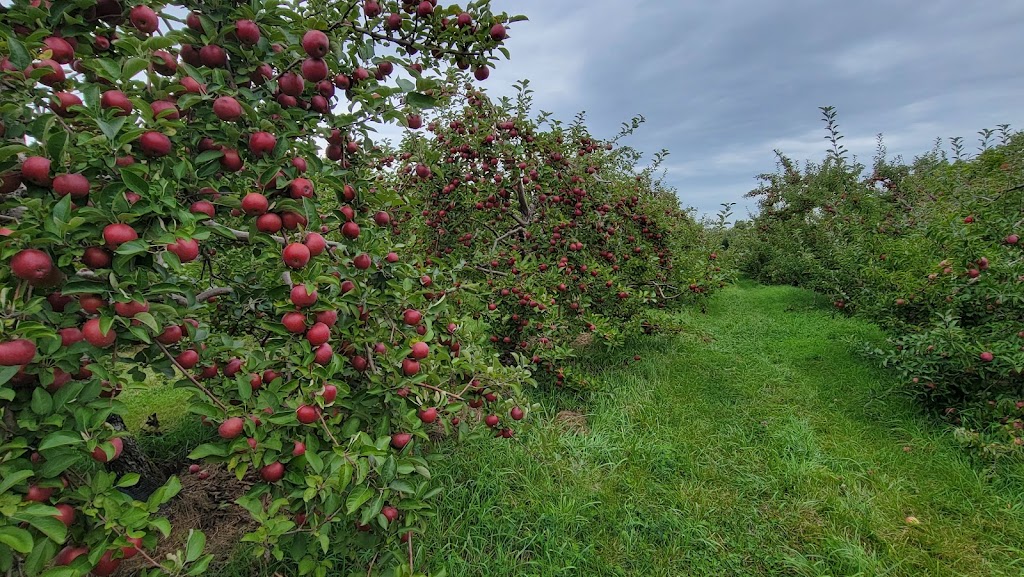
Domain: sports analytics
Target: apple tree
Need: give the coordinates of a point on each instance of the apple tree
(186, 199)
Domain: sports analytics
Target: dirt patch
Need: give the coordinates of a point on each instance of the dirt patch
(582, 341)
(206, 505)
(572, 421)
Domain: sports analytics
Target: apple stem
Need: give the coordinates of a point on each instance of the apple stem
(372, 561)
(195, 382)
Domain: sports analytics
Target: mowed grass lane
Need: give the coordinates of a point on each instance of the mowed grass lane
(756, 443)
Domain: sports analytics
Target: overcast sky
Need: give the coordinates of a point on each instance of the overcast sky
(724, 83)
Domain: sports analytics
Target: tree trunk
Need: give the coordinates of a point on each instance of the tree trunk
(133, 460)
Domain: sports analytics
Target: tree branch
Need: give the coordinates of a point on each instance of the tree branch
(195, 382)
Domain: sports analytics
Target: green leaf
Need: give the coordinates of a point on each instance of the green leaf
(58, 461)
(207, 450)
(195, 545)
(56, 142)
(148, 320)
(406, 85)
(59, 439)
(48, 525)
(420, 100)
(129, 480)
(111, 127)
(133, 66)
(7, 373)
(357, 497)
(162, 525)
(133, 247)
(42, 402)
(208, 155)
(62, 210)
(18, 55)
(12, 479)
(16, 538)
(135, 182)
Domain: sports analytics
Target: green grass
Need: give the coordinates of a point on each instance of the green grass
(758, 443)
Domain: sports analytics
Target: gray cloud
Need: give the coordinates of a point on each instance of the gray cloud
(723, 84)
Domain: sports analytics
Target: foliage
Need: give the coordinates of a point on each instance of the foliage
(153, 163)
(569, 240)
(931, 251)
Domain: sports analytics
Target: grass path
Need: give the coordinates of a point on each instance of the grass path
(758, 443)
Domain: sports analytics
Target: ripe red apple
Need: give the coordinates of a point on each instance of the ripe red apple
(213, 56)
(315, 43)
(170, 335)
(70, 336)
(107, 564)
(187, 359)
(118, 233)
(315, 243)
(302, 297)
(158, 107)
(116, 99)
(186, 249)
(491, 421)
(203, 207)
(410, 367)
(133, 547)
(400, 440)
(38, 494)
(69, 554)
(269, 223)
(329, 317)
(96, 338)
(61, 50)
(391, 257)
(350, 230)
(294, 322)
(314, 69)
(412, 317)
(66, 514)
(390, 513)
(100, 455)
(428, 415)
(254, 204)
(1012, 239)
(131, 308)
(227, 108)
(144, 19)
(382, 218)
(32, 265)
(296, 255)
(307, 414)
(299, 450)
(517, 413)
(498, 32)
(323, 354)
(36, 170)
(318, 334)
(231, 427)
(300, 188)
(76, 185)
(247, 32)
(987, 357)
(262, 143)
(62, 102)
(155, 144)
(329, 393)
(362, 261)
(420, 350)
(273, 472)
(232, 367)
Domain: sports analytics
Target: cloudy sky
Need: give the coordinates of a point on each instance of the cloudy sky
(724, 83)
